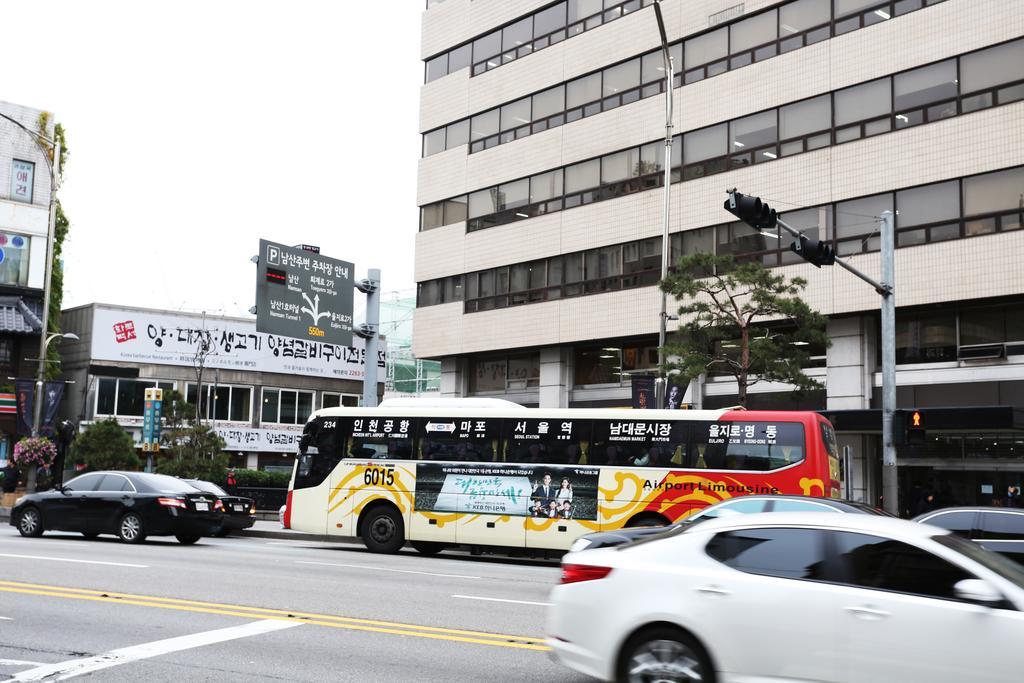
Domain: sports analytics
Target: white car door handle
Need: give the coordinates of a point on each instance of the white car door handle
(713, 590)
(867, 612)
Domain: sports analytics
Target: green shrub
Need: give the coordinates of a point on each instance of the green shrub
(261, 478)
(105, 445)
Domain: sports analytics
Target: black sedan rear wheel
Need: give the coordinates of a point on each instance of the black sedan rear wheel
(30, 523)
(130, 529)
(187, 539)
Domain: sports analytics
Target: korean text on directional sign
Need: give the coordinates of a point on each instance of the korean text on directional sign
(151, 419)
(303, 295)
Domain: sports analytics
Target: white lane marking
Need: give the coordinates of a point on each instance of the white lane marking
(6, 619)
(385, 569)
(67, 559)
(518, 602)
(78, 667)
(18, 662)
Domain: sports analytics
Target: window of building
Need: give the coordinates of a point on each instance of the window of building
(223, 402)
(759, 31)
(982, 72)
(864, 106)
(1000, 193)
(14, 266)
(582, 91)
(934, 85)
(515, 116)
(126, 397)
(856, 222)
(329, 399)
(6, 344)
(926, 337)
(752, 139)
(803, 22)
(810, 119)
(457, 134)
(22, 180)
(502, 373)
(702, 145)
(286, 406)
(707, 53)
(938, 203)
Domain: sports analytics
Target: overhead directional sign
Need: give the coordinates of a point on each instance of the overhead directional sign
(303, 294)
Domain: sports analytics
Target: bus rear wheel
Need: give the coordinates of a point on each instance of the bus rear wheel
(428, 547)
(383, 530)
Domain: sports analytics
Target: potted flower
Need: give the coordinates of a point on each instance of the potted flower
(38, 451)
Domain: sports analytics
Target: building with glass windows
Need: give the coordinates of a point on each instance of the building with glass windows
(540, 194)
(24, 219)
(256, 389)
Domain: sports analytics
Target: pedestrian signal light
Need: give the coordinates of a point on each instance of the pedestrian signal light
(814, 252)
(751, 210)
(915, 420)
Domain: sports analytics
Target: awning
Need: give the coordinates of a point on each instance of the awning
(19, 316)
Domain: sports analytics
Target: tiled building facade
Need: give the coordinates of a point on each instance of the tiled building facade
(541, 201)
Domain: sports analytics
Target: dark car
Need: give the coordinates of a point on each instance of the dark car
(744, 505)
(239, 511)
(1000, 530)
(130, 505)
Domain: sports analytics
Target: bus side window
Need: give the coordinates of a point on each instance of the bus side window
(377, 438)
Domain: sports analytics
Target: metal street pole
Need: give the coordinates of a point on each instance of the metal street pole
(51, 227)
(890, 484)
(368, 330)
(661, 381)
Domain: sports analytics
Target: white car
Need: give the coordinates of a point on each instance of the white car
(792, 597)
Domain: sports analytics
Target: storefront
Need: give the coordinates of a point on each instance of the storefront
(964, 455)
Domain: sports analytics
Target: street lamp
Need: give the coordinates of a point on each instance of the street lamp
(662, 380)
(37, 408)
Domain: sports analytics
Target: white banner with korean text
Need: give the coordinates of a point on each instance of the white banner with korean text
(173, 338)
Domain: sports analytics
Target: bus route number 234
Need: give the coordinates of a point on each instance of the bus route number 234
(379, 476)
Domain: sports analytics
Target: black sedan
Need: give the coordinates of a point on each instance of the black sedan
(1000, 530)
(130, 505)
(744, 505)
(239, 511)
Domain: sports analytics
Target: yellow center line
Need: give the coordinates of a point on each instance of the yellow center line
(328, 620)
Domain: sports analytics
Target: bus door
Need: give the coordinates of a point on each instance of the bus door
(376, 452)
(461, 494)
(641, 474)
(548, 457)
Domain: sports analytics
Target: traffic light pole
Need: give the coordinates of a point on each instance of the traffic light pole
(759, 216)
(890, 484)
(887, 289)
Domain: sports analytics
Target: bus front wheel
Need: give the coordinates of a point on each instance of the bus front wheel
(383, 530)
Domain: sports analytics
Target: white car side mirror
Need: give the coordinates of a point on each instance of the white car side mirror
(978, 591)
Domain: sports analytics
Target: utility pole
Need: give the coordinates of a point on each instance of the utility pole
(661, 381)
(370, 286)
(759, 216)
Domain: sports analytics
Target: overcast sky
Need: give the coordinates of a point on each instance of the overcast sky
(197, 128)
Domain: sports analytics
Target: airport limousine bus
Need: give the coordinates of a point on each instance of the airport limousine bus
(488, 472)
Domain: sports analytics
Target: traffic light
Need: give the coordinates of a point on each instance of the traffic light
(750, 210)
(908, 428)
(813, 251)
(915, 429)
